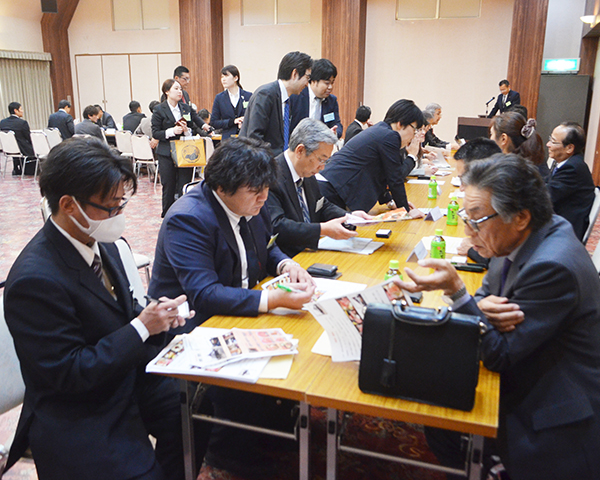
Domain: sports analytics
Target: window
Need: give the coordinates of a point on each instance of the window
(140, 14)
(275, 12)
(436, 9)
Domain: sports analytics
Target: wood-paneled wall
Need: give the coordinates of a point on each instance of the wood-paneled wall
(55, 37)
(527, 50)
(201, 32)
(343, 42)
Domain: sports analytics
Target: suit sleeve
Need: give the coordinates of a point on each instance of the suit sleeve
(216, 117)
(564, 183)
(517, 99)
(110, 123)
(256, 121)
(158, 131)
(70, 125)
(496, 107)
(396, 169)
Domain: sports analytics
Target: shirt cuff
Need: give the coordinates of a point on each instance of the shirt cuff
(170, 132)
(263, 306)
(283, 263)
(463, 300)
(413, 157)
(140, 328)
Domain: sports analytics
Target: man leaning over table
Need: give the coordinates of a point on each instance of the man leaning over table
(541, 303)
(215, 244)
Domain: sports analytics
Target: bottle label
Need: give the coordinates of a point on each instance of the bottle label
(432, 190)
(438, 250)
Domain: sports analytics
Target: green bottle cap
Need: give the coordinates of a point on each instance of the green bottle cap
(433, 177)
(394, 264)
(439, 232)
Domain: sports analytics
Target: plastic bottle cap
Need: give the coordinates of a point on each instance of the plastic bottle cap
(439, 232)
(395, 264)
(433, 177)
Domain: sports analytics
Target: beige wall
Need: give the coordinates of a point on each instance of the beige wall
(20, 25)
(593, 124)
(455, 62)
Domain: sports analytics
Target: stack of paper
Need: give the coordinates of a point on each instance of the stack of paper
(364, 246)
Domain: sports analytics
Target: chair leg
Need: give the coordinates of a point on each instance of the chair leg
(147, 270)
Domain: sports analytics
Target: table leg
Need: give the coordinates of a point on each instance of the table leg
(304, 440)
(476, 457)
(332, 438)
(187, 429)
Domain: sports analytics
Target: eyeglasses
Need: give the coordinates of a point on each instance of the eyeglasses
(411, 125)
(474, 224)
(321, 161)
(112, 211)
(553, 141)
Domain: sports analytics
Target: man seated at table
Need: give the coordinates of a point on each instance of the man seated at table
(132, 120)
(299, 213)
(540, 301)
(88, 126)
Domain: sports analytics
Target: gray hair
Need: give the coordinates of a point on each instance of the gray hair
(432, 107)
(311, 133)
(428, 115)
(515, 185)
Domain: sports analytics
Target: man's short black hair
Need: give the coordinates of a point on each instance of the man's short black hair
(241, 162)
(180, 70)
(405, 112)
(13, 106)
(477, 149)
(522, 109)
(64, 103)
(133, 106)
(90, 111)
(204, 114)
(575, 136)
(363, 113)
(504, 82)
(83, 167)
(322, 69)
(100, 109)
(153, 104)
(293, 61)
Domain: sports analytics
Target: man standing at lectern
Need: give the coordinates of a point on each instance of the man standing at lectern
(506, 99)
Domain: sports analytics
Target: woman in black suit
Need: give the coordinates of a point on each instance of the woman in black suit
(171, 120)
(230, 105)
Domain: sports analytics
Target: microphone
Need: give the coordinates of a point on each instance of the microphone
(489, 101)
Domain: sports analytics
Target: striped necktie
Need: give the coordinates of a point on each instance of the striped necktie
(97, 267)
(286, 124)
(303, 206)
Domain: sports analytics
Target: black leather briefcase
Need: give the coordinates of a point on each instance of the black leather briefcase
(421, 354)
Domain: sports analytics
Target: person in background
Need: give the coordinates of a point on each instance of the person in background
(145, 126)
(105, 119)
(89, 125)
(360, 123)
(230, 105)
(508, 98)
(132, 120)
(20, 127)
(62, 120)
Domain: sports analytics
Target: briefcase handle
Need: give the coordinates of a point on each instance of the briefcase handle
(427, 317)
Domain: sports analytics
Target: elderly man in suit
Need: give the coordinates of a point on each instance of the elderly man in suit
(508, 98)
(316, 101)
(268, 116)
(89, 125)
(540, 301)
(570, 182)
(299, 213)
(62, 120)
(20, 127)
(82, 339)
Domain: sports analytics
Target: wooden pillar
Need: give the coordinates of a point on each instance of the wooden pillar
(55, 37)
(527, 50)
(201, 33)
(343, 42)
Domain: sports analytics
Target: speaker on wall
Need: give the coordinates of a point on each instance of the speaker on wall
(49, 6)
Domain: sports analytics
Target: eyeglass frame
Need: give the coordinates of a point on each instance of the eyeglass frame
(474, 224)
(112, 211)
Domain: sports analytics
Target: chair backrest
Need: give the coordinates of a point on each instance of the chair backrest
(209, 147)
(133, 274)
(13, 388)
(45, 209)
(593, 214)
(141, 149)
(190, 186)
(40, 143)
(54, 136)
(9, 143)
(123, 139)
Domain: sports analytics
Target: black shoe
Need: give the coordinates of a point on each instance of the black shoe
(16, 173)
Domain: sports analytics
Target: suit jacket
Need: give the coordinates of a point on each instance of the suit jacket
(132, 120)
(513, 98)
(82, 362)
(22, 133)
(353, 129)
(300, 109)
(223, 114)
(432, 140)
(87, 127)
(64, 122)
(264, 117)
(572, 192)
(197, 254)
(107, 121)
(163, 119)
(550, 364)
(362, 170)
(294, 235)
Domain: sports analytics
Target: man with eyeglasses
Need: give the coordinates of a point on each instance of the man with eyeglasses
(299, 213)
(570, 182)
(540, 302)
(82, 339)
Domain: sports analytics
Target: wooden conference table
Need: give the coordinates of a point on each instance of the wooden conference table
(315, 380)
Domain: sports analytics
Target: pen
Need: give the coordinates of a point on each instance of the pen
(288, 289)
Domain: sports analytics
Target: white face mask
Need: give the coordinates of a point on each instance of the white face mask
(108, 230)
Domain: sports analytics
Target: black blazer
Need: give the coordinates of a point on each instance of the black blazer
(163, 119)
(87, 127)
(64, 122)
(329, 106)
(264, 117)
(353, 129)
(513, 98)
(132, 120)
(223, 114)
(572, 192)
(22, 133)
(362, 170)
(286, 214)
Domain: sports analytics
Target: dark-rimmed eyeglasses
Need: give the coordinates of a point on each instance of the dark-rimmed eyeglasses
(474, 224)
(112, 211)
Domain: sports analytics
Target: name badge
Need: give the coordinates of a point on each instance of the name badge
(245, 104)
(330, 117)
(508, 104)
(320, 204)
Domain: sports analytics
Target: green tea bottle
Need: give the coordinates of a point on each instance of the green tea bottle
(432, 194)
(393, 270)
(438, 245)
(452, 216)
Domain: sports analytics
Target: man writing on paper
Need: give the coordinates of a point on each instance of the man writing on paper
(540, 301)
(299, 213)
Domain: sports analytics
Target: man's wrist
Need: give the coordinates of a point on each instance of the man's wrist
(286, 264)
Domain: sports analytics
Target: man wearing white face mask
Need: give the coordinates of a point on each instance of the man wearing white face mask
(82, 339)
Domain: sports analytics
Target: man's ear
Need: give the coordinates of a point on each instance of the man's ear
(67, 204)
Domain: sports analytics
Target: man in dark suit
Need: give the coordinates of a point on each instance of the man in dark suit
(268, 116)
(570, 183)
(507, 98)
(361, 172)
(20, 127)
(540, 301)
(89, 125)
(317, 101)
(82, 339)
(360, 123)
(105, 119)
(134, 117)
(62, 120)
(299, 213)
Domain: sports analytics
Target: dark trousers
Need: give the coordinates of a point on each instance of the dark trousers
(331, 194)
(172, 179)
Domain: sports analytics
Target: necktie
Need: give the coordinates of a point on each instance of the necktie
(303, 206)
(286, 124)
(505, 269)
(317, 109)
(251, 256)
(97, 267)
(553, 168)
